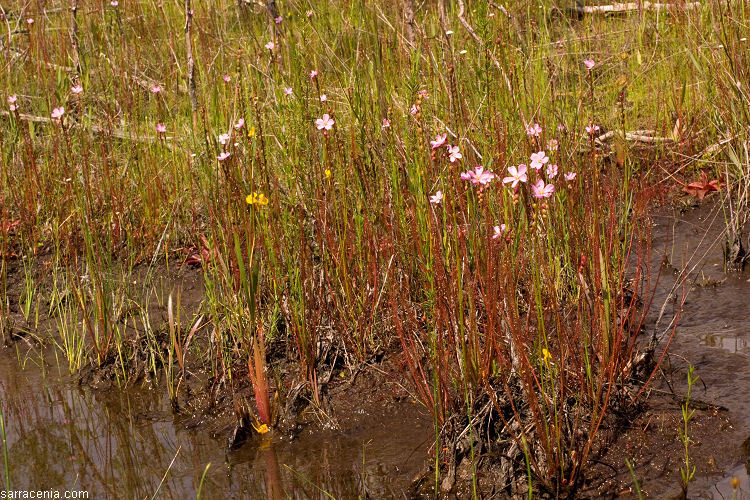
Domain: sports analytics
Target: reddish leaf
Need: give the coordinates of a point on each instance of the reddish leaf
(703, 187)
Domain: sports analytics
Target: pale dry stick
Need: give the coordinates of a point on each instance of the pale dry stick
(634, 136)
(453, 134)
(642, 136)
(44, 12)
(74, 37)
(713, 148)
(190, 62)
(17, 54)
(492, 57)
(168, 468)
(116, 133)
(512, 19)
(617, 8)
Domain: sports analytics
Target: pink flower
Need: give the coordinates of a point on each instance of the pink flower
(423, 94)
(288, 91)
(592, 129)
(240, 123)
(498, 231)
(223, 156)
(270, 45)
(589, 63)
(538, 160)
(552, 144)
(439, 141)
(12, 101)
(453, 153)
(30, 20)
(324, 123)
(155, 89)
(160, 128)
(313, 74)
(309, 13)
(560, 127)
(223, 139)
(478, 176)
(227, 78)
(323, 98)
(534, 130)
(57, 113)
(436, 198)
(551, 171)
(278, 20)
(77, 89)
(541, 190)
(414, 109)
(114, 3)
(517, 174)
(386, 123)
(570, 176)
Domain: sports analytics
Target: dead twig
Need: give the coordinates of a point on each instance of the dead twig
(116, 133)
(618, 8)
(645, 136)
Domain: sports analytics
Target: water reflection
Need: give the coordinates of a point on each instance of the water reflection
(121, 444)
(731, 343)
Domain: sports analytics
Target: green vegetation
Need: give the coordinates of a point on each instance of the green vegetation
(323, 174)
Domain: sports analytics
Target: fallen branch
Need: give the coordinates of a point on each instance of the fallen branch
(645, 136)
(19, 15)
(617, 8)
(117, 133)
(15, 53)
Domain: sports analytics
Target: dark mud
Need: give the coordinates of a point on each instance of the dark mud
(371, 437)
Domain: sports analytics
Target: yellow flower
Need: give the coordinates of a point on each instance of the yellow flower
(328, 173)
(251, 132)
(547, 356)
(261, 429)
(256, 199)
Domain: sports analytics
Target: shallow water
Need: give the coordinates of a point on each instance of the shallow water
(121, 445)
(712, 331)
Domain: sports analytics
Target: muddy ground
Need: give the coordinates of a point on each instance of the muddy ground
(371, 437)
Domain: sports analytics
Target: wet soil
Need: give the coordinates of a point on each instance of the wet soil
(712, 334)
(371, 437)
(120, 444)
